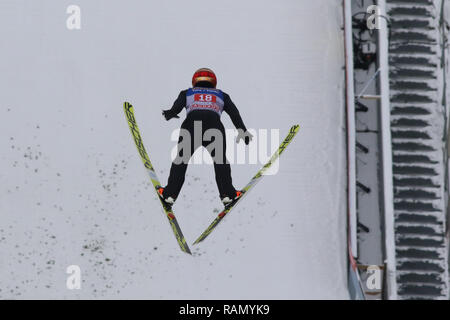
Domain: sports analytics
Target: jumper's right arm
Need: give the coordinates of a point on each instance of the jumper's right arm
(178, 105)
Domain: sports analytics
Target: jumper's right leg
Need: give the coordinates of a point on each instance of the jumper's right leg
(185, 149)
(175, 181)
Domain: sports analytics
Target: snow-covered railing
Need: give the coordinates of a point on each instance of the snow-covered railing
(354, 280)
(351, 129)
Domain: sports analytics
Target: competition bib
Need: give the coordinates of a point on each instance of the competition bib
(204, 99)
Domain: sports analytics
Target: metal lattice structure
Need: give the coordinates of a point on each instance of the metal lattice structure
(418, 148)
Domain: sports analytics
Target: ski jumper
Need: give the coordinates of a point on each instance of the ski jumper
(205, 105)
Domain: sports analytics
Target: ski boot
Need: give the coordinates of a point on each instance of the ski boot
(227, 200)
(168, 201)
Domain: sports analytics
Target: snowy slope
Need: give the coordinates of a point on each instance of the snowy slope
(73, 190)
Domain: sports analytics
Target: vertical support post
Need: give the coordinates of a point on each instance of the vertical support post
(386, 149)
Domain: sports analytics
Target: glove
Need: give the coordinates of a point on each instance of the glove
(244, 135)
(169, 115)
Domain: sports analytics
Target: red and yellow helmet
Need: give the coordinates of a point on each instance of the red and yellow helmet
(204, 74)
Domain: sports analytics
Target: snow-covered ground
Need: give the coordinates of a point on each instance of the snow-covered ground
(73, 190)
